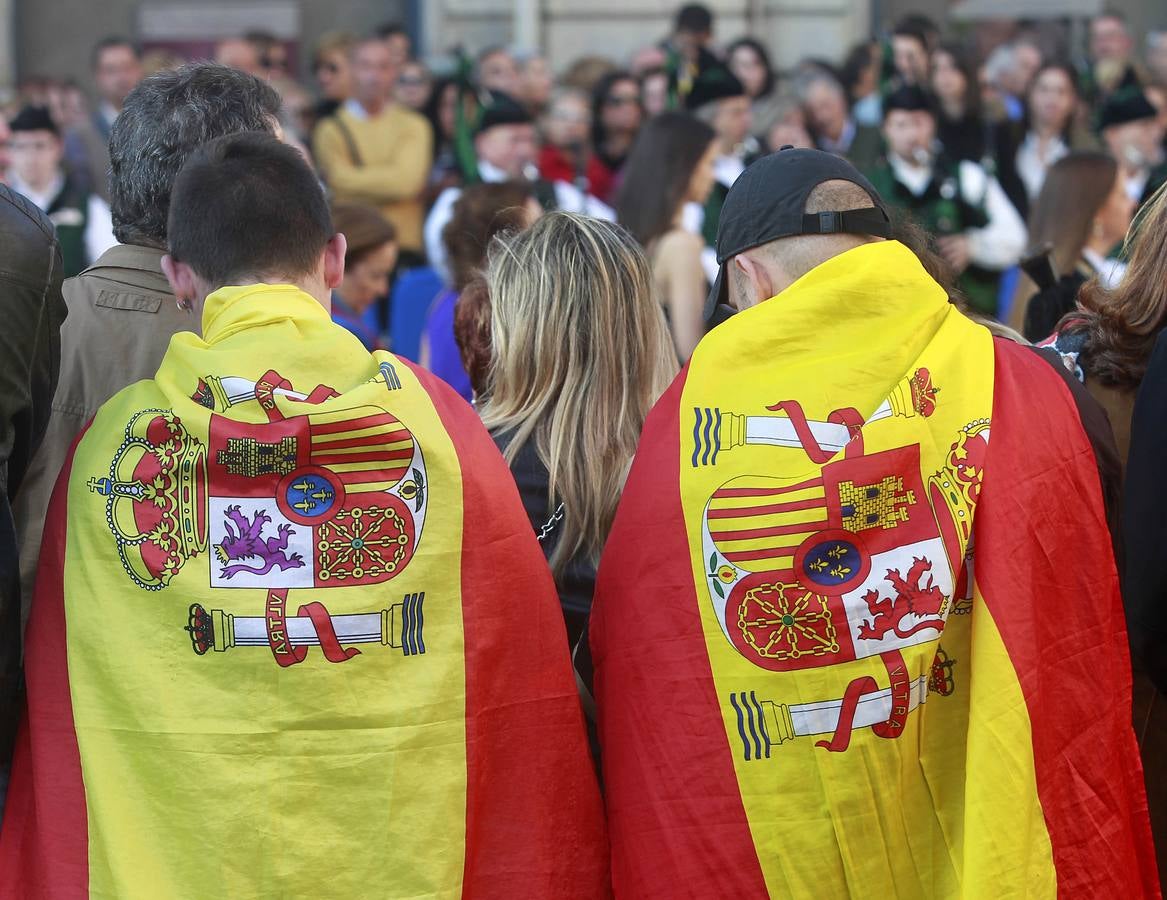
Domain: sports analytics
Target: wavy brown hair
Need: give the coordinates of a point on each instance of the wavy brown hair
(1121, 324)
(580, 353)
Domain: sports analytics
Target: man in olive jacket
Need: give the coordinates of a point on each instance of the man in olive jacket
(122, 313)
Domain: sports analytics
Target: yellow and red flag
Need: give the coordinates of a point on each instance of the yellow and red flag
(293, 637)
(875, 645)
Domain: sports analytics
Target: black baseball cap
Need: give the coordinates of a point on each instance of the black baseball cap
(768, 202)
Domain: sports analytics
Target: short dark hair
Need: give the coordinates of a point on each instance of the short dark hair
(909, 27)
(164, 119)
(694, 18)
(248, 205)
(108, 43)
(390, 29)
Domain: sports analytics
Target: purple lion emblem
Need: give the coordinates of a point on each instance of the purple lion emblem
(246, 541)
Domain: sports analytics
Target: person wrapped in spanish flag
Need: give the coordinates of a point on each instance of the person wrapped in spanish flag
(875, 645)
(292, 635)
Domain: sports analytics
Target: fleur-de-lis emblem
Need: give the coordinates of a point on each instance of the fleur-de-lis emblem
(837, 552)
(818, 565)
(840, 572)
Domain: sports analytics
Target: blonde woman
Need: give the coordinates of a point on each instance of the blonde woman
(579, 353)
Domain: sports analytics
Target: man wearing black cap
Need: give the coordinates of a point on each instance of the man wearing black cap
(37, 173)
(805, 685)
(507, 149)
(979, 231)
(719, 99)
(1129, 125)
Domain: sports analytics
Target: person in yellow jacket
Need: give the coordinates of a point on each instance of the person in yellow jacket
(374, 150)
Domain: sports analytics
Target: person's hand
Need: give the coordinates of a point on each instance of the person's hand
(955, 250)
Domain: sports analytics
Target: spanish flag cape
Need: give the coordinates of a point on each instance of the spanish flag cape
(874, 646)
(293, 637)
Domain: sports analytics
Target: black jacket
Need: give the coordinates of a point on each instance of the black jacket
(578, 582)
(1144, 522)
(31, 310)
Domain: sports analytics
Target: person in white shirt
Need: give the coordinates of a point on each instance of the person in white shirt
(506, 146)
(37, 171)
(979, 231)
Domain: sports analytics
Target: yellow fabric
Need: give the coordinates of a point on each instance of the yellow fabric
(918, 813)
(226, 774)
(396, 154)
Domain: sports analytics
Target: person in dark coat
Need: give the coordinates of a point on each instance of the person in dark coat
(32, 309)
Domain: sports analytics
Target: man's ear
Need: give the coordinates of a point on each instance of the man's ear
(334, 252)
(754, 279)
(182, 281)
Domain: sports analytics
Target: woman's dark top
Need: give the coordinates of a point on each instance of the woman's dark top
(578, 581)
(1047, 306)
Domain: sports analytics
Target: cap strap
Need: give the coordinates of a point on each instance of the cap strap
(870, 220)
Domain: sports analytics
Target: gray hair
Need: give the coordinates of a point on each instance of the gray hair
(165, 118)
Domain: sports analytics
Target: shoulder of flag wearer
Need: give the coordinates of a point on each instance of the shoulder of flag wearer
(1045, 567)
(532, 790)
(44, 841)
(666, 757)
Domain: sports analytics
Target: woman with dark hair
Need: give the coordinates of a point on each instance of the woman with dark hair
(440, 111)
(860, 76)
(617, 115)
(750, 64)
(960, 126)
(481, 212)
(1082, 212)
(670, 165)
(1048, 134)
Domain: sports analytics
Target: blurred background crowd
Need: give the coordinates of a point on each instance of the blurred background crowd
(1024, 147)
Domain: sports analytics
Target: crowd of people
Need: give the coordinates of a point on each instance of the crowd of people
(744, 410)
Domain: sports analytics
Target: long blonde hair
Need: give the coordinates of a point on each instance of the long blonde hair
(580, 352)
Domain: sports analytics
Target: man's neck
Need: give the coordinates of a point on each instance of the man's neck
(375, 106)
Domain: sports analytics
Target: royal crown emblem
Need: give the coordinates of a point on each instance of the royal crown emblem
(156, 494)
(331, 497)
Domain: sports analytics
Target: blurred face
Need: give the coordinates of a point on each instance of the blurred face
(1052, 99)
(413, 86)
(702, 179)
(368, 279)
(621, 109)
(655, 94)
(1026, 62)
(747, 66)
(373, 73)
(116, 74)
(733, 120)
(36, 157)
(1109, 39)
(1136, 145)
(510, 148)
(334, 75)
(498, 72)
(274, 61)
(238, 54)
(537, 82)
(826, 110)
(569, 122)
(448, 109)
(791, 129)
(689, 43)
(948, 82)
(909, 134)
(400, 49)
(1114, 218)
(910, 59)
